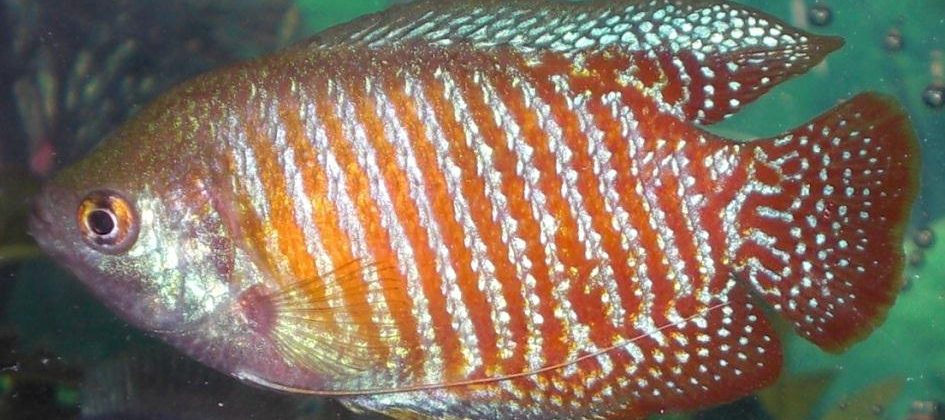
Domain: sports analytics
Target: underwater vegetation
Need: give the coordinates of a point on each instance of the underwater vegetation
(152, 377)
(69, 88)
(35, 384)
(73, 70)
(17, 186)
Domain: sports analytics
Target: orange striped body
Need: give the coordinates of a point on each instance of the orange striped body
(509, 224)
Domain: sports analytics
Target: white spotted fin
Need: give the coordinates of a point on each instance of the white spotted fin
(700, 60)
(823, 220)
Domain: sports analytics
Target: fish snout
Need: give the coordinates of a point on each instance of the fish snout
(39, 215)
(46, 214)
(40, 219)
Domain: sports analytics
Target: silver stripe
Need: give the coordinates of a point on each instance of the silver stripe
(407, 162)
(302, 211)
(247, 168)
(488, 282)
(577, 331)
(517, 246)
(589, 237)
(406, 260)
(451, 290)
(692, 205)
(620, 217)
(338, 193)
(666, 241)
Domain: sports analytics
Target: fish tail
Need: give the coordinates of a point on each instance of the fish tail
(820, 219)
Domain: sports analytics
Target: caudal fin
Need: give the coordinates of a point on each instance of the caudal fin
(822, 220)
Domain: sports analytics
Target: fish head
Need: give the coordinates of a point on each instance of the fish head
(138, 223)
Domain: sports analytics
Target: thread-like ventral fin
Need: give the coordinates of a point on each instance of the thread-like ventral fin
(823, 218)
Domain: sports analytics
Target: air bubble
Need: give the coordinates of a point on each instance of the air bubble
(820, 15)
(916, 258)
(924, 238)
(934, 95)
(893, 40)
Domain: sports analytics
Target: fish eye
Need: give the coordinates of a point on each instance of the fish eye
(107, 222)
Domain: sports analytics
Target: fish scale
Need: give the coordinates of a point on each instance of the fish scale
(486, 139)
(505, 209)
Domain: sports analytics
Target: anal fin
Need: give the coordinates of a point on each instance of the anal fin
(726, 351)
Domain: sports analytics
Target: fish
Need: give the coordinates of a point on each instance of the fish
(497, 209)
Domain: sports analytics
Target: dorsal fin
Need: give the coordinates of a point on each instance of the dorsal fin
(712, 56)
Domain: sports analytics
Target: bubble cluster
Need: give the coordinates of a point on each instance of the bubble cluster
(928, 409)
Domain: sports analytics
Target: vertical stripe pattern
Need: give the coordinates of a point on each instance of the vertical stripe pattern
(491, 221)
